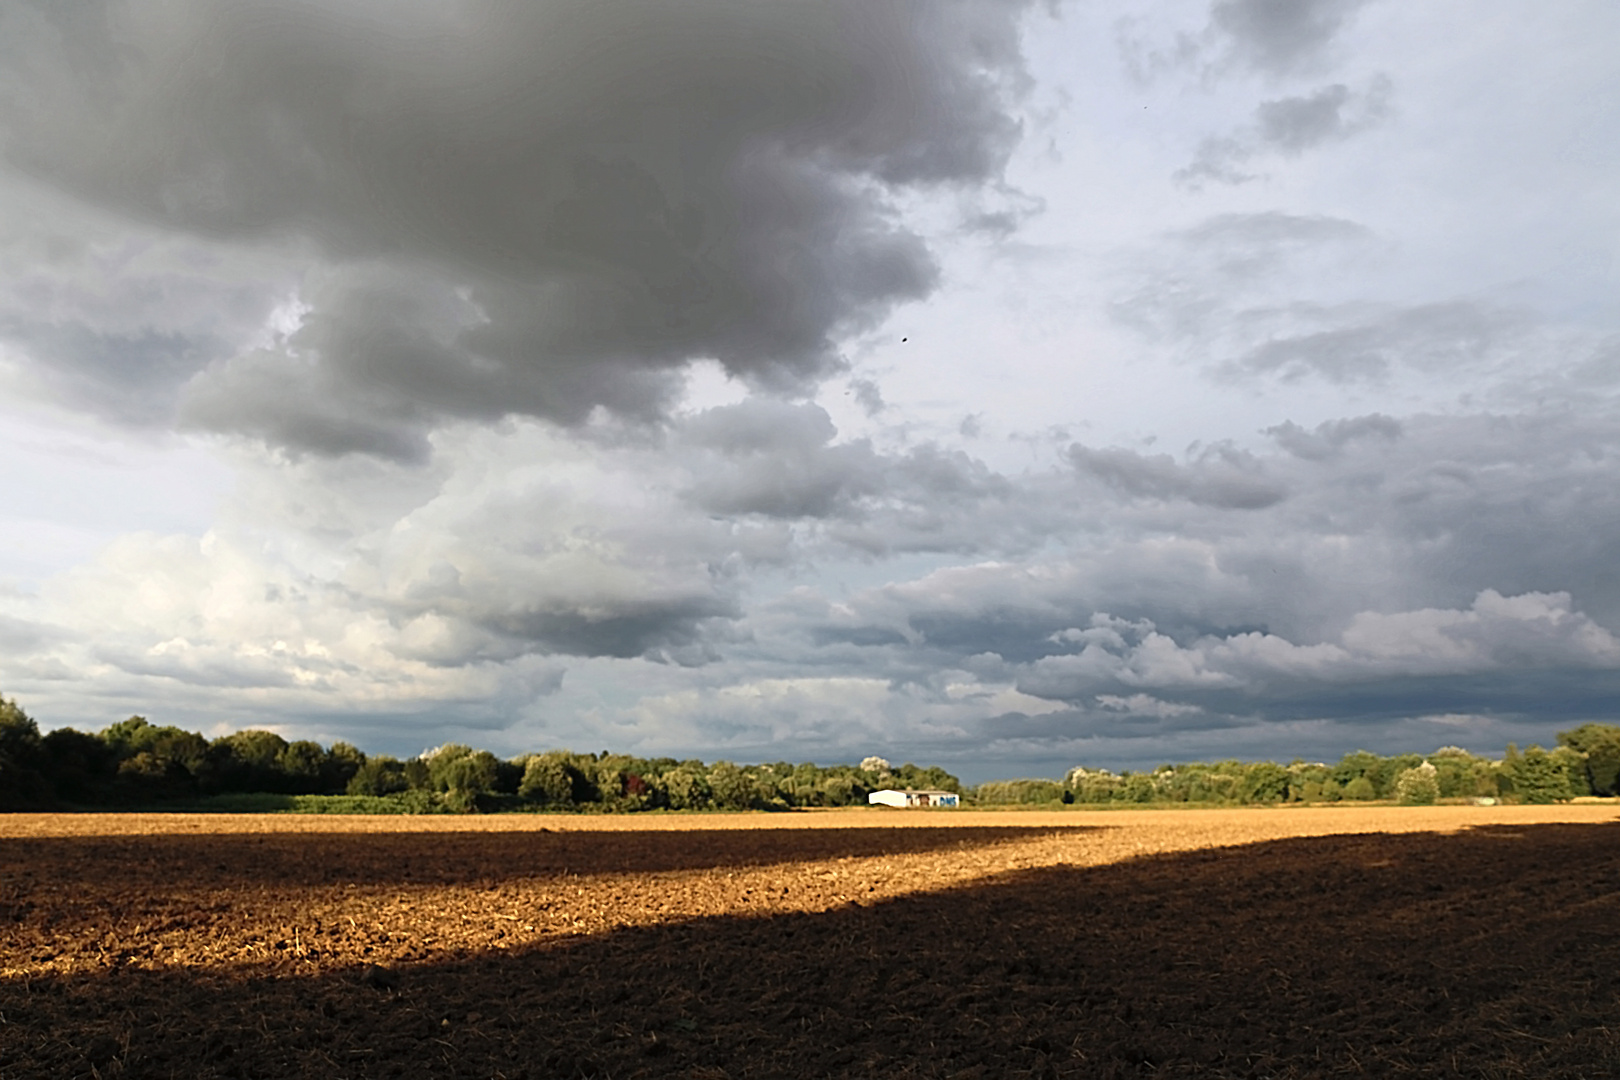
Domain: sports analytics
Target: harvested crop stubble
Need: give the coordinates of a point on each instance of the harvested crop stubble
(1338, 942)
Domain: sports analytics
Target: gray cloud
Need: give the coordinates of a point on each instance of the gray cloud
(1368, 344)
(1198, 284)
(1247, 244)
(1281, 37)
(775, 459)
(1272, 38)
(1288, 127)
(1409, 558)
(659, 628)
(1330, 438)
(128, 377)
(1294, 125)
(521, 208)
(1238, 296)
(1221, 476)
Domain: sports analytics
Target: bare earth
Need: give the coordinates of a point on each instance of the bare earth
(1452, 941)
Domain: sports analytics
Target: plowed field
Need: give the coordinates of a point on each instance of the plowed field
(1257, 943)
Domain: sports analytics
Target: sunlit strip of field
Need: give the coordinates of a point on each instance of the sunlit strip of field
(1178, 827)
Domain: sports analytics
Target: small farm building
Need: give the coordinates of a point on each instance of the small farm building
(891, 797)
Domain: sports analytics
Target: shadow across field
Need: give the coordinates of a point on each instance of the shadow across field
(183, 861)
(1491, 953)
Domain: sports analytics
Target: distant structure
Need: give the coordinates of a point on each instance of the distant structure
(893, 797)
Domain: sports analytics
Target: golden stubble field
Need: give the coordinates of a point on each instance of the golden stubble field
(1470, 941)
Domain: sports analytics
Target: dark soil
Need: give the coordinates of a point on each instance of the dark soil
(1490, 953)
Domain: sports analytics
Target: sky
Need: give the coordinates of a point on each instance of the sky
(999, 384)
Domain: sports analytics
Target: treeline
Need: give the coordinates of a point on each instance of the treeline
(1586, 761)
(136, 763)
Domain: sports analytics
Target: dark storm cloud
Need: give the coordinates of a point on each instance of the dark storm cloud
(533, 208)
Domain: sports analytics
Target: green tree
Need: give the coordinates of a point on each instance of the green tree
(23, 784)
(687, 788)
(82, 766)
(341, 765)
(246, 761)
(149, 775)
(301, 766)
(1418, 786)
(129, 737)
(548, 780)
(1460, 774)
(1360, 789)
(418, 775)
(1137, 788)
(172, 750)
(463, 774)
(730, 787)
(1599, 745)
(379, 775)
(1022, 792)
(1264, 782)
(842, 790)
(1537, 776)
(1352, 765)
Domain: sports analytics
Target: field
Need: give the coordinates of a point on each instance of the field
(1448, 941)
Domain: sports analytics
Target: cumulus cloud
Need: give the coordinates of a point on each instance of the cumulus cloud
(539, 209)
(1497, 654)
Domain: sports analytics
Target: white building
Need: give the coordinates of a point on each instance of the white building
(893, 797)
